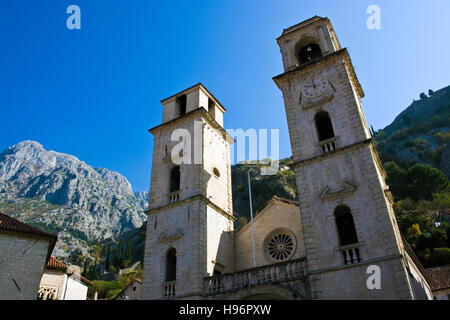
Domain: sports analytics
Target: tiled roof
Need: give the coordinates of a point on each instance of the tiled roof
(440, 277)
(55, 264)
(9, 224)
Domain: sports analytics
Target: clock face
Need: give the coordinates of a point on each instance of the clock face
(315, 88)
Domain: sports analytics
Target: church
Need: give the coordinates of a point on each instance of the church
(339, 241)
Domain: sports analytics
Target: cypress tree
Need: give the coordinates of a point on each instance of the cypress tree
(128, 256)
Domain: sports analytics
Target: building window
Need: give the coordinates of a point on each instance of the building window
(216, 172)
(181, 103)
(280, 245)
(212, 108)
(345, 225)
(47, 293)
(324, 126)
(174, 179)
(308, 53)
(171, 265)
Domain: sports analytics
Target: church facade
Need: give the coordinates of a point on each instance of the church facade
(339, 241)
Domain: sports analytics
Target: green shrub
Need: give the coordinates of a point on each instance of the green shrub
(439, 257)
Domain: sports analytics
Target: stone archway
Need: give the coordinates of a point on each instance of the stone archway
(269, 292)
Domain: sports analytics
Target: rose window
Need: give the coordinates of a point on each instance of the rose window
(280, 245)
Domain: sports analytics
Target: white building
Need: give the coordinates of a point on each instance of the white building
(59, 282)
(132, 291)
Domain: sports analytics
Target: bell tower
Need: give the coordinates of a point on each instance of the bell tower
(190, 219)
(346, 207)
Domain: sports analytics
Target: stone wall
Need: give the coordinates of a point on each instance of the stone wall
(22, 258)
(276, 215)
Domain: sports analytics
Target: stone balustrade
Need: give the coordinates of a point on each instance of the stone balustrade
(174, 197)
(328, 145)
(351, 254)
(271, 274)
(169, 289)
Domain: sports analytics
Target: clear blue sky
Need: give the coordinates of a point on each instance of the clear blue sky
(95, 92)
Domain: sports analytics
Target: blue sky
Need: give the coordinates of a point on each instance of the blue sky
(95, 92)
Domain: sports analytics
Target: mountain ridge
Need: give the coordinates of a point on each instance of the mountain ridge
(92, 202)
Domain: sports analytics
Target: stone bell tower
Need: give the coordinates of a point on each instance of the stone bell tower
(345, 204)
(190, 219)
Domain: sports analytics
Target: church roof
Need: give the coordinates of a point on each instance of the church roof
(200, 85)
(302, 25)
(267, 204)
(439, 277)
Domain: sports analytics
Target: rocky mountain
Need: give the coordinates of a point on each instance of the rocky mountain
(60, 193)
(264, 187)
(420, 134)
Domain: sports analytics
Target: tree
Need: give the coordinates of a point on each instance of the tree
(128, 254)
(108, 253)
(441, 201)
(396, 178)
(413, 231)
(85, 268)
(418, 182)
(424, 181)
(118, 258)
(439, 257)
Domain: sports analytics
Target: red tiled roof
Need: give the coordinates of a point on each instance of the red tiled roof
(10, 224)
(55, 264)
(440, 277)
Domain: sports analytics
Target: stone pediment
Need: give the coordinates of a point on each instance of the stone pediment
(167, 236)
(313, 102)
(345, 188)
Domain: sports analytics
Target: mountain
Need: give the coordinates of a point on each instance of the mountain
(60, 193)
(420, 134)
(281, 184)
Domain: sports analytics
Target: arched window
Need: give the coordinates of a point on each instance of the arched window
(345, 225)
(324, 126)
(171, 265)
(175, 179)
(308, 53)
